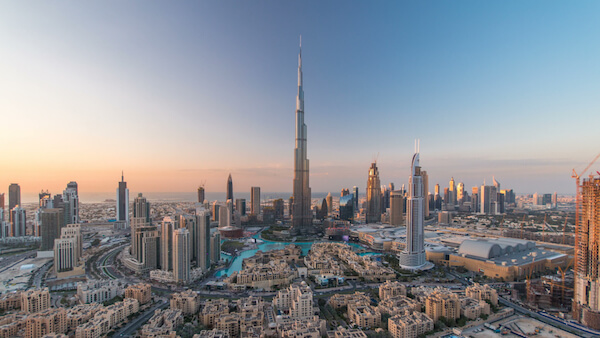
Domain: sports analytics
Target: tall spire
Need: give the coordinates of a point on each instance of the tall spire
(122, 176)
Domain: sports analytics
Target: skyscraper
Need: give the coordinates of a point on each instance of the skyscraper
(355, 193)
(255, 200)
(18, 223)
(215, 247)
(141, 208)
(347, 207)
(329, 200)
(201, 196)
(460, 192)
(14, 195)
(181, 255)
(71, 200)
(144, 244)
(123, 201)
(278, 206)
(229, 188)
(452, 192)
(301, 212)
(1, 207)
(413, 255)
(167, 230)
(203, 240)
(586, 304)
(240, 206)
(373, 195)
(52, 221)
(396, 208)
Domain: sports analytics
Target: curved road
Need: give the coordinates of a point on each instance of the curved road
(130, 328)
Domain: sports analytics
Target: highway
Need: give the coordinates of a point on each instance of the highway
(130, 328)
(107, 261)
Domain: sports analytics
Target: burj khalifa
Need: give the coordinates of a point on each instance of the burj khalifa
(301, 211)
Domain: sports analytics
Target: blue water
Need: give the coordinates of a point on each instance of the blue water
(268, 246)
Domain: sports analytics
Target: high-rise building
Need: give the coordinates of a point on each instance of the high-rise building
(141, 208)
(215, 247)
(240, 206)
(71, 200)
(224, 217)
(123, 201)
(413, 255)
(203, 240)
(18, 223)
(168, 227)
(278, 206)
(586, 301)
(52, 220)
(68, 249)
(489, 199)
(344, 192)
(216, 208)
(229, 188)
(373, 195)
(301, 211)
(355, 193)
(181, 255)
(329, 200)
(255, 200)
(396, 208)
(144, 244)
(425, 192)
(452, 192)
(496, 183)
(347, 207)
(554, 200)
(14, 195)
(475, 203)
(189, 222)
(460, 193)
(44, 198)
(201, 193)
(1, 207)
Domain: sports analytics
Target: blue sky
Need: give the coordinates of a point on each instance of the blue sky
(178, 93)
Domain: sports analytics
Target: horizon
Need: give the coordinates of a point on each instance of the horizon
(180, 95)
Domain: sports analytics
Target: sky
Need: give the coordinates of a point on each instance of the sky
(178, 94)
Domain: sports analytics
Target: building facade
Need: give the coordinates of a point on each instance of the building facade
(373, 195)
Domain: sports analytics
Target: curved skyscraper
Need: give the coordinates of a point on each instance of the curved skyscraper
(413, 255)
(229, 188)
(301, 212)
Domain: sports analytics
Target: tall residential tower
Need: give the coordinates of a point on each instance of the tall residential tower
(301, 211)
(373, 195)
(123, 201)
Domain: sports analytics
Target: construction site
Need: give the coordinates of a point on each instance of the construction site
(517, 326)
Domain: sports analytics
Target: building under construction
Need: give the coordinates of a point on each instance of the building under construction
(586, 301)
(552, 292)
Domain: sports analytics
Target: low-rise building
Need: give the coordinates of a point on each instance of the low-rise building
(342, 332)
(186, 301)
(482, 292)
(141, 291)
(229, 323)
(213, 309)
(10, 300)
(80, 314)
(364, 316)
(52, 320)
(340, 300)
(297, 300)
(98, 291)
(310, 327)
(398, 305)
(473, 308)
(163, 323)
(214, 333)
(105, 319)
(391, 289)
(409, 325)
(35, 300)
(442, 304)
(11, 324)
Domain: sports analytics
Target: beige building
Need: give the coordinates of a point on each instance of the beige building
(80, 314)
(107, 318)
(365, 316)
(187, 301)
(214, 333)
(391, 289)
(482, 292)
(181, 255)
(35, 300)
(68, 250)
(51, 320)
(141, 291)
(98, 291)
(11, 324)
(229, 323)
(162, 324)
(409, 325)
(398, 305)
(342, 332)
(297, 301)
(442, 304)
(10, 300)
(473, 308)
(310, 327)
(340, 300)
(213, 308)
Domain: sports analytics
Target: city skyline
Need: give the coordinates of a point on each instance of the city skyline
(505, 90)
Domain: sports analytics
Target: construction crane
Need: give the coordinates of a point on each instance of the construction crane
(578, 201)
(562, 275)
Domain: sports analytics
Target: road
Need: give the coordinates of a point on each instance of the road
(106, 262)
(130, 328)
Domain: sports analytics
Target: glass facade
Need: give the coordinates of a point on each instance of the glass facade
(347, 207)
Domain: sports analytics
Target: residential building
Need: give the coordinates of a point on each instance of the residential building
(122, 208)
(255, 200)
(373, 195)
(98, 291)
(35, 300)
(410, 325)
(141, 291)
(442, 304)
(187, 301)
(391, 289)
(482, 292)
